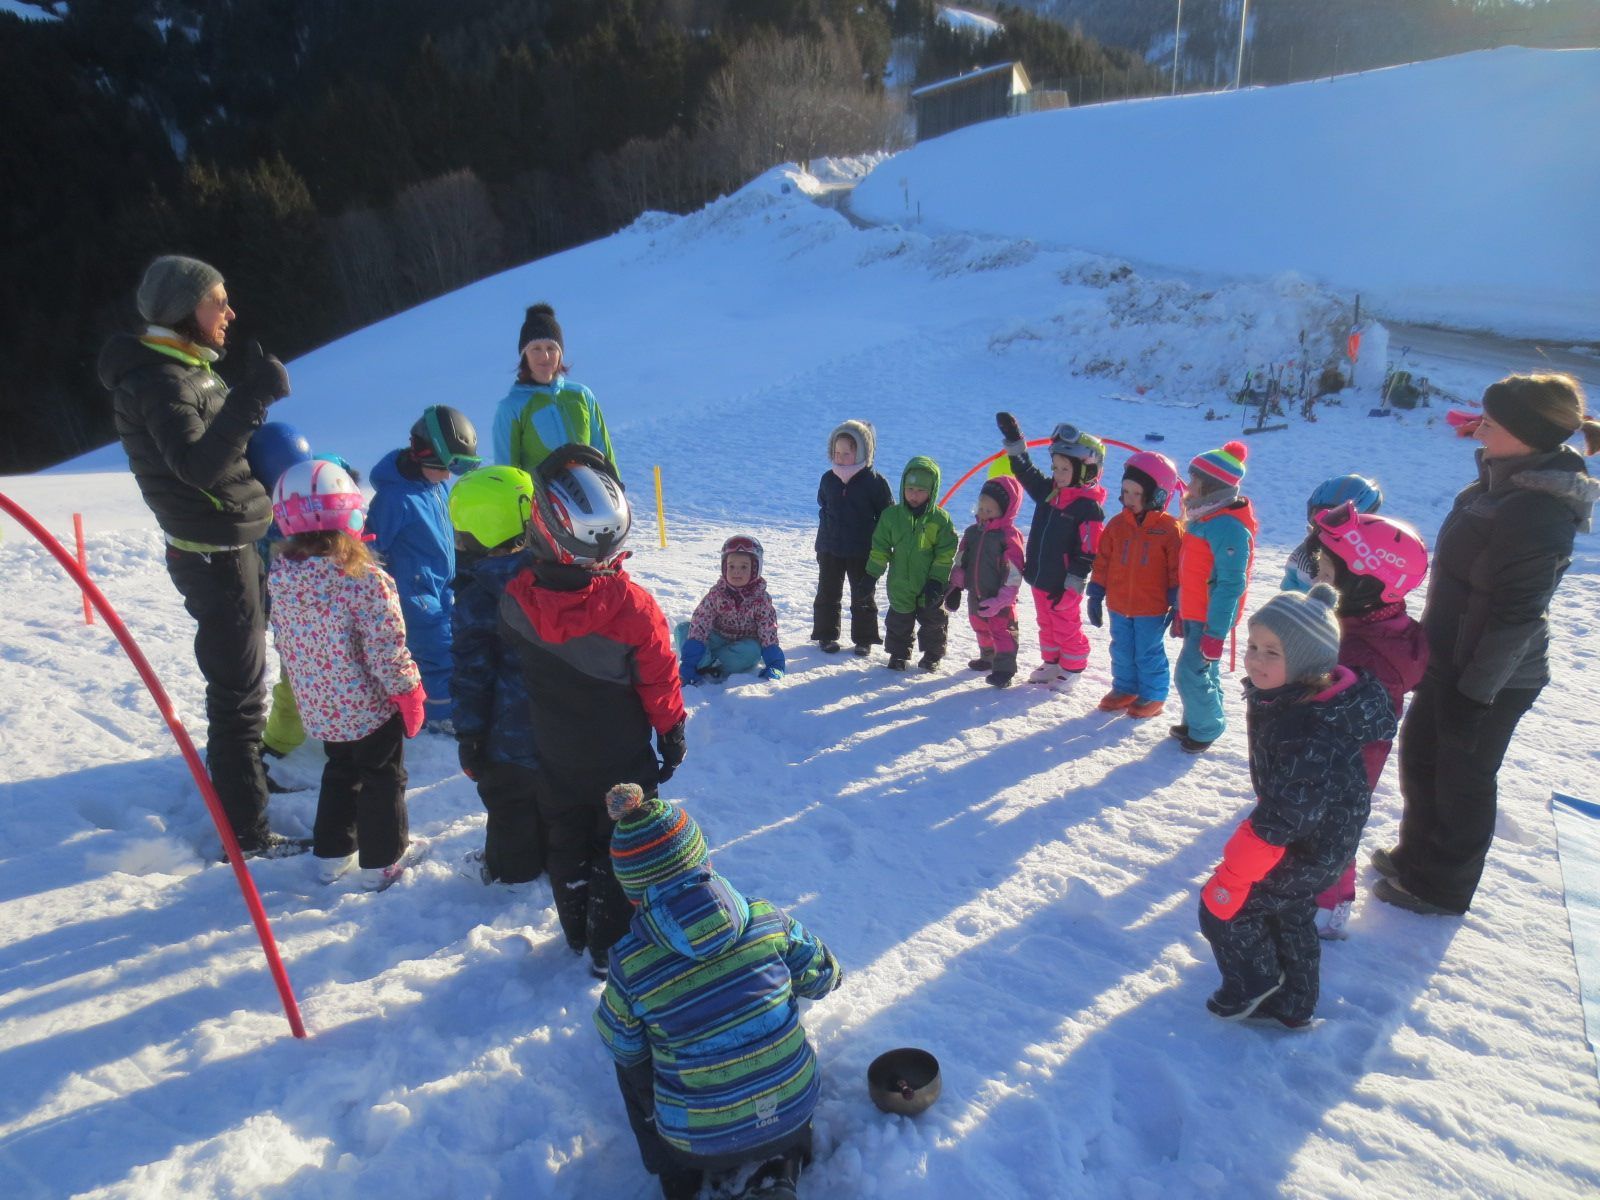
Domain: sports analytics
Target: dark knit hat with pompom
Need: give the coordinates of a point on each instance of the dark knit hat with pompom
(539, 325)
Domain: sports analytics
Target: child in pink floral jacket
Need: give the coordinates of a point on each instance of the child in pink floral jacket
(735, 626)
(336, 621)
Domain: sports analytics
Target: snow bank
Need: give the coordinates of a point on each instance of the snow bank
(1459, 191)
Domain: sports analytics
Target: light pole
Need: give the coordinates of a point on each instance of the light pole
(1238, 70)
(1177, 38)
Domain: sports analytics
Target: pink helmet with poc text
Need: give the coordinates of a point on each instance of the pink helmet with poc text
(1157, 474)
(1382, 548)
(318, 496)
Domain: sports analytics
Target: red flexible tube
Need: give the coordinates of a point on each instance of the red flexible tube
(230, 844)
(956, 486)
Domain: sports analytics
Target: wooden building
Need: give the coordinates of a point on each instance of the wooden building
(980, 95)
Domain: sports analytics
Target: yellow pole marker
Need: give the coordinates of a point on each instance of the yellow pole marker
(661, 512)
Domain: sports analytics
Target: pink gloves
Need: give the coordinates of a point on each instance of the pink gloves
(410, 705)
(997, 603)
(1246, 859)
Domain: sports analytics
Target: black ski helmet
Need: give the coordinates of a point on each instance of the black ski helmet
(443, 438)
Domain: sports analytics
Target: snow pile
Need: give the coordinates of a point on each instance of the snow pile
(970, 22)
(1458, 191)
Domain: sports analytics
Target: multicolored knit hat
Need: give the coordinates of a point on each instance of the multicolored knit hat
(1226, 465)
(653, 841)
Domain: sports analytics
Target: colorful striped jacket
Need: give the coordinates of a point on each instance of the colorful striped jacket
(704, 986)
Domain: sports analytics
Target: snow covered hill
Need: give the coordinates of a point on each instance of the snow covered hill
(1458, 191)
(1009, 879)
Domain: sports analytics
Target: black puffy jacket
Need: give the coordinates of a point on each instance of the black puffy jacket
(1496, 562)
(185, 434)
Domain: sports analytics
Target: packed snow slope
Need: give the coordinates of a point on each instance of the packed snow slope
(1458, 191)
(1009, 878)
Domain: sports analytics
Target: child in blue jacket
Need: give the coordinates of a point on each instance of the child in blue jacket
(409, 519)
(493, 722)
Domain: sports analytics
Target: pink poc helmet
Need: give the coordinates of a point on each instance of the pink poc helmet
(318, 496)
(741, 543)
(1381, 548)
(1157, 474)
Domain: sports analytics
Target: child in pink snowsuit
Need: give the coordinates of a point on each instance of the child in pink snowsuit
(989, 566)
(1062, 540)
(735, 626)
(1373, 562)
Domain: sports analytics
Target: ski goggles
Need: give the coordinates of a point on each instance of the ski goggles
(1068, 440)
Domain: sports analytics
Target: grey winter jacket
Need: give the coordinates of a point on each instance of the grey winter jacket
(1499, 556)
(185, 433)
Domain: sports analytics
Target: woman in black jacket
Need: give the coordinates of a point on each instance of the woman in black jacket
(185, 431)
(1500, 555)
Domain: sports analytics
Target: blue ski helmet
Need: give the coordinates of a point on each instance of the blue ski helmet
(273, 449)
(1364, 493)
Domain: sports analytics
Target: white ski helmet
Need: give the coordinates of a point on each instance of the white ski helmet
(580, 511)
(315, 496)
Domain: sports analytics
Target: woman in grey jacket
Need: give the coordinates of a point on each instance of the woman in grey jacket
(1499, 557)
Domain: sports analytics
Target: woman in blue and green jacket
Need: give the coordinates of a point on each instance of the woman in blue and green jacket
(700, 1008)
(544, 409)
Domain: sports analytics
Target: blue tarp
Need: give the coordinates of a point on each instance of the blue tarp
(1578, 840)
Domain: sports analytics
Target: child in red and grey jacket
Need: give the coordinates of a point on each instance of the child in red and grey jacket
(989, 564)
(336, 622)
(1062, 540)
(1308, 720)
(597, 658)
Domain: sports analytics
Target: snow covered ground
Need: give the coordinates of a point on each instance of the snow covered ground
(1453, 191)
(1010, 879)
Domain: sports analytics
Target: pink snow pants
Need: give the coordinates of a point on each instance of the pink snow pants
(1061, 636)
(998, 632)
(1342, 891)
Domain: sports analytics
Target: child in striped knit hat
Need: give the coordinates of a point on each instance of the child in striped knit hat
(1213, 577)
(700, 1011)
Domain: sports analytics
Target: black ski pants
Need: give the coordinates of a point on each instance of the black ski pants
(362, 805)
(832, 571)
(1269, 935)
(1448, 784)
(513, 841)
(681, 1175)
(222, 591)
(932, 625)
(590, 904)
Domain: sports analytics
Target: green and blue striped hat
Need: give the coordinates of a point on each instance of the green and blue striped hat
(653, 841)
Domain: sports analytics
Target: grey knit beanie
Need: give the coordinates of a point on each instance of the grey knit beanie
(173, 287)
(1307, 628)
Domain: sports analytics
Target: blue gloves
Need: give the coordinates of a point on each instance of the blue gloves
(689, 660)
(773, 657)
(1097, 604)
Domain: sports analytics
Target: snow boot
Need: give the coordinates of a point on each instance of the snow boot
(1115, 701)
(980, 664)
(1065, 682)
(1005, 670)
(381, 879)
(863, 651)
(1145, 709)
(1181, 732)
(1044, 673)
(1331, 922)
(274, 845)
(1191, 746)
(929, 662)
(898, 662)
(1231, 1008)
(1390, 892)
(1384, 864)
(830, 646)
(330, 869)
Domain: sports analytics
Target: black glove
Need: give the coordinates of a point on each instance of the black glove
(1463, 716)
(932, 593)
(1009, 429)
(672, 747)
(469, 750)
(952, 599)
(262, 377)
(1055, 596)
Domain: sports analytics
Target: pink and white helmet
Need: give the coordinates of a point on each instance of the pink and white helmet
(1157, 474)
(318, 496)
(1389, 551)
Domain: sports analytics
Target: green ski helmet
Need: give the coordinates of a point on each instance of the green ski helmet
(490, 506)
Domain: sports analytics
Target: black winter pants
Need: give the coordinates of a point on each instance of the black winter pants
(222, 592)
(363, 800)
(590, 904)
(832, 571)
(1448, 782)
(1269, 935)
(514, 841)
(932, 624)
(680, 1174)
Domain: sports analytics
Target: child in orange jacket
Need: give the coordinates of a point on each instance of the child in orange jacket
(1136, 574)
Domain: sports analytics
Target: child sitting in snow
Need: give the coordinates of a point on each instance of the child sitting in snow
(1136, 575)
(1374, 563)
(989, 566)
(1308, 720)
(336, 621)
(700, 1012)
(1300, 572)
(850, 499)
(1062, 540)
(735, 626)
(915, 541)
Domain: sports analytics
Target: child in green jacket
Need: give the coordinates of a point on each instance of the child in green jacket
(915, 541)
